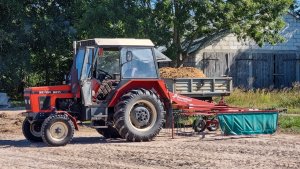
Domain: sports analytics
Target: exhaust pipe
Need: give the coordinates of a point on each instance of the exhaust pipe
(74, 47)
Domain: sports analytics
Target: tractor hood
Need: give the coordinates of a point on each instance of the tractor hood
(43, 99)
(48, 89)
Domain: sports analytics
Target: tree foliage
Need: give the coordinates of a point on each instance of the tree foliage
(35, 38)
(212, 19)
(177, 24)
(36, 35)
(51, 35)
(14, 56)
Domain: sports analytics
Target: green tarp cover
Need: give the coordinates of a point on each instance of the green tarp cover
(248, 123)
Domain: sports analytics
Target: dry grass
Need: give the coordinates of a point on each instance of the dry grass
(264, 99)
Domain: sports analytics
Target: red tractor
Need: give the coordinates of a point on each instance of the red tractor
(114, 85)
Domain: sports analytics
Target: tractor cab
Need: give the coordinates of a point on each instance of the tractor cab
(101, 64)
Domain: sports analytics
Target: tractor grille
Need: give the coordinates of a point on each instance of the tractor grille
(27, 103)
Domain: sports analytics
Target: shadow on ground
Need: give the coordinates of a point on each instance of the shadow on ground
(220, 137)
(95, 140)
(77, 140)
(19, 143)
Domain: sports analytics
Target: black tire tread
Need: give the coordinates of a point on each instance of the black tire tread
(27, 133)
(196, 123)
(120, 113)
(48, 121)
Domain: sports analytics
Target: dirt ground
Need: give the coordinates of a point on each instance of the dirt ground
(88, 149)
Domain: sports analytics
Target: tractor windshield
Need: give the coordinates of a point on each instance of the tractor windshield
(106, 61)
(140, 63)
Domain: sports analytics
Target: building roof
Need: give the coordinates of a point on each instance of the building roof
(160, 57)
(115, 42)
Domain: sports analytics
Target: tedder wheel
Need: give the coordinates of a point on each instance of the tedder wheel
(199, 125)
(109, 132)
(57, 130)
(32, 131)
(213, 126)
(139, 115)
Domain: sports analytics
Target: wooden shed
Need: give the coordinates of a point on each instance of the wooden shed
(252, 66)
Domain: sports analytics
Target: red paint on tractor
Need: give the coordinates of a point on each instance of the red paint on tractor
(151, 84)
(54, 92)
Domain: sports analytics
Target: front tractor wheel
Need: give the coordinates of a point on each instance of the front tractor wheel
(57, 130)
(32, 131)
(139, 115)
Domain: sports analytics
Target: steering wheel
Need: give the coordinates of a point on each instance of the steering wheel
(106, 73)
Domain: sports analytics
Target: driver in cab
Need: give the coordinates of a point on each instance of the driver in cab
(137, 68)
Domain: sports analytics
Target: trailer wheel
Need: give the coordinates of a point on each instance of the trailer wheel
(213, 126)
(57, 130)
(139, 115)
(109, 132)
(199, 125)
(32, 131)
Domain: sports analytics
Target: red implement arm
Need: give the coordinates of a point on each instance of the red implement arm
(190, 106)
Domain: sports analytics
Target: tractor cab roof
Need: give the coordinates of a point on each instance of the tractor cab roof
(115, 42)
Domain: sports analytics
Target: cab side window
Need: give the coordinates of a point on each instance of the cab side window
(79, 61)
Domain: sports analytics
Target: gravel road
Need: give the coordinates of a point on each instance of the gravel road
(88, 149)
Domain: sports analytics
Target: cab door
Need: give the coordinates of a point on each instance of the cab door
(85, 76)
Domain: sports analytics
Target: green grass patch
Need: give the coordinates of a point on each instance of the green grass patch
(294, 111)
(289, 124)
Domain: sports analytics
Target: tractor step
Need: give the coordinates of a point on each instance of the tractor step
(96, 121)
(99, 117)
(99, 127)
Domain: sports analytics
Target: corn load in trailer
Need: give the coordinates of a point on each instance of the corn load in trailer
(114, 84)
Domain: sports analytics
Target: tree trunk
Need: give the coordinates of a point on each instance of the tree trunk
(180, 62)
(47, 70)
(176, 37)
(204, 43)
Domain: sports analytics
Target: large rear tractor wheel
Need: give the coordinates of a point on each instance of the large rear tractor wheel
(139, 115)
(32, 131)
(57, 130)
(109, 132)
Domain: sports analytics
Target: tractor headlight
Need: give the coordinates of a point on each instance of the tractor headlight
(27, 103)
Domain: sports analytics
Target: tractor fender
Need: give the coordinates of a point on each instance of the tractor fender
(150, 84)
(71, 117)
